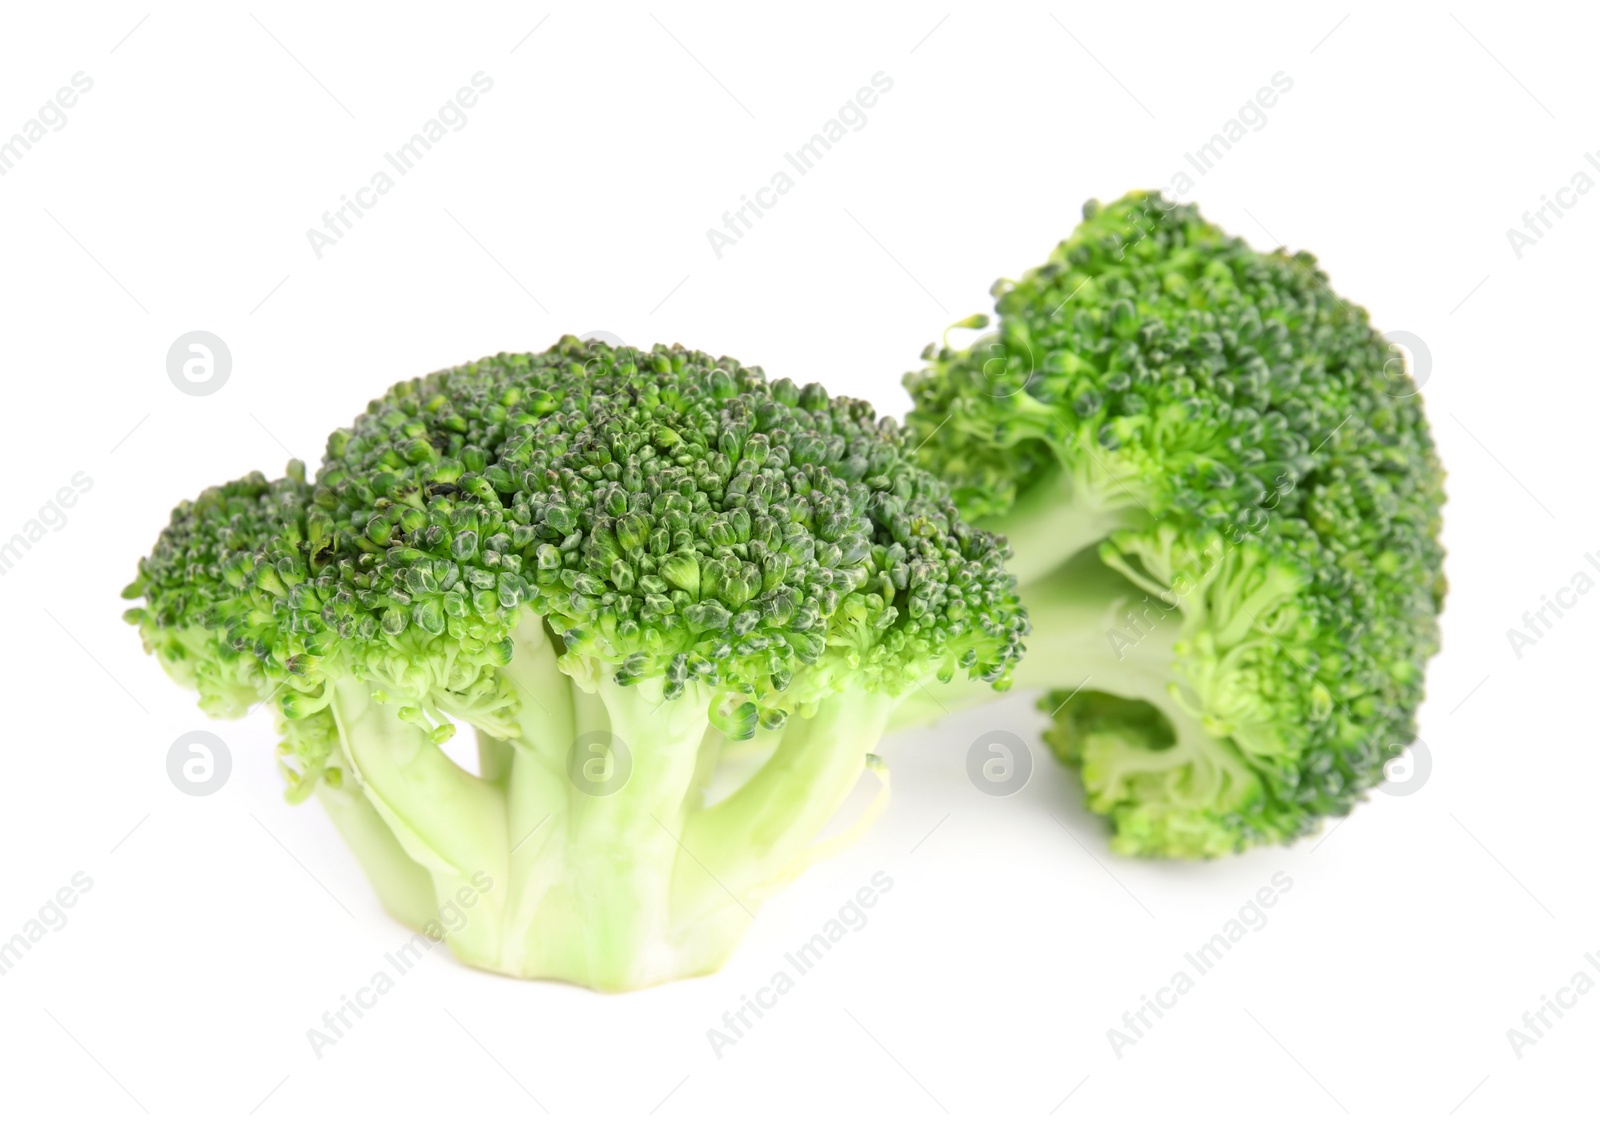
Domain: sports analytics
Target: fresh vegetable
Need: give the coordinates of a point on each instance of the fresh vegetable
(1224, 505)
(622, 568)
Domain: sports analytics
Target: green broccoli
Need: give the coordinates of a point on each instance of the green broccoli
(618, 566)
(1224, 506)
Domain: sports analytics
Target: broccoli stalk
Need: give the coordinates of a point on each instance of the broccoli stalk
(1056, 518)
(619, 567)
(404, 887)
(1117, 664)
(1223, 505)
(609, 889)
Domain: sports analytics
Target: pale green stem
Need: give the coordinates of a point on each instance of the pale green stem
(594, 895)
(1052, 521)
(494, 758)
(1092, 630)
(536, 800)
(451, 822)
(608, 869)
(757, 834)
(403, 886)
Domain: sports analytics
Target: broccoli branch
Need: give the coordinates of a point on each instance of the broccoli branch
(1054, 519)
(753, 840)
(403, 885)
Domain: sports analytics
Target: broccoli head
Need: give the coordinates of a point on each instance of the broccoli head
(623, 568)
(1224, 505)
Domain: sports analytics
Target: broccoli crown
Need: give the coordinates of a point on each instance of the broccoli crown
(212, 583)
(1272, 470)
(592, 556)
(668, 513)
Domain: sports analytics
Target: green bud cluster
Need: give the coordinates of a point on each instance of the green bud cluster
(668, 513)
(214, 583)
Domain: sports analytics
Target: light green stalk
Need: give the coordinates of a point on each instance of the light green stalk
(403, 886)
(1054, 519)
(448, 820)
(1091, 629)
(607, 866)
(1096, 632)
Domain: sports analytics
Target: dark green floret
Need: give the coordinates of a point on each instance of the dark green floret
(670, 515)
(1224, 505)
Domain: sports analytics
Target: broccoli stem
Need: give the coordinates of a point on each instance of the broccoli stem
(445, 817)
(616, 882)
(545, 718)
(495, 757)
(753, 839)
(1091, 629)
(1096, 625)
(403, 886)
(592, 885)
(1104, 629)
(448, 820)
(1054, 519)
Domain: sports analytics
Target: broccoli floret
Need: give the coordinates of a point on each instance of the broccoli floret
(619, 566)
(213, 589)
(208, 588)
(1224, 504)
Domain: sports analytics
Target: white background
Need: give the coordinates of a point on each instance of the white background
(577, 198)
